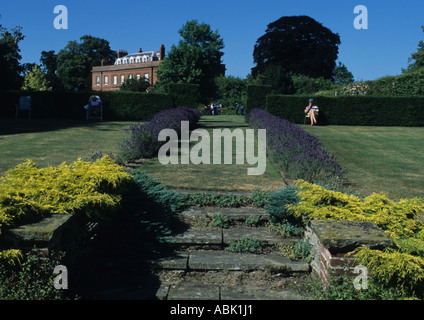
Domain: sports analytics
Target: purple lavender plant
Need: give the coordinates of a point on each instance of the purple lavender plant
(297, 153)
(143, 137)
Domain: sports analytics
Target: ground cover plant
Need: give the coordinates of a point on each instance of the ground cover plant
(298, 154)
(256, 198)
(143, 138)
(28, 281)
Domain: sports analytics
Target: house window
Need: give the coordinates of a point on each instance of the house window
(115, 80)
(122, 79)
(106, 80)
(146, 76)
(97, 81)
(130, 76)
(138, 76)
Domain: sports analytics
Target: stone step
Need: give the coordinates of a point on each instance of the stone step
(203, 260)
(197, 291)
(223, 237)
(233, 214)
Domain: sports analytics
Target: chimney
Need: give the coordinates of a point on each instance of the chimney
(122, 53)
(140, 50)
(162, 52)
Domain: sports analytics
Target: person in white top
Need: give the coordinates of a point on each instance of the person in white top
(312, 111)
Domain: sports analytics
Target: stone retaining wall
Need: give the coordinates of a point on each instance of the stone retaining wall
(58, 232)
(332, 240)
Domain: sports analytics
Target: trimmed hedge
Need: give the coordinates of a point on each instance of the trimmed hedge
(119, 106)
(352, 110)
(135, 106)
(406, 84)
(184, 94)
(46, 104)
(256, 96)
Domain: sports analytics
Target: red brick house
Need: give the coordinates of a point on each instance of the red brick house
(137, 65)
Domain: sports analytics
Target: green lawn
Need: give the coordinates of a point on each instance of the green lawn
(224, 177)
(51, 142)
(379, 159)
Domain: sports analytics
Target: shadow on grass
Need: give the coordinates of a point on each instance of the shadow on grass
(118, 265)
(17, 126)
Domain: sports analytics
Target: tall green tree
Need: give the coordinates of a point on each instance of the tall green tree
(75, 61)
(298, 44)
(231, 90)
(196, 59)
(10, 67)
(48, 61)
(341, 75)
(416, 61)
(35, 80)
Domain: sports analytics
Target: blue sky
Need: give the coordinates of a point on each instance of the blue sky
(394, 27)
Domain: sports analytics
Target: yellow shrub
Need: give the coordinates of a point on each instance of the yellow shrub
(395, 218)
(402, 266)
(90, 188)
(393, 268)
(10, 258)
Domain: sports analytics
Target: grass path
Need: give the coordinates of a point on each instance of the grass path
(379, 159)
(222, 177)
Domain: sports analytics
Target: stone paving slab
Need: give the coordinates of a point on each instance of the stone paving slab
(198, 237)
(262, 234)
(239, 214)
(253, 293)
(223, 260)
(177, 261)
(196, 291)
(193, 291)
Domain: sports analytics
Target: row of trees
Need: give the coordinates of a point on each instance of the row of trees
(296, 55)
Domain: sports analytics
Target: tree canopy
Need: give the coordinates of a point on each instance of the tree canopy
(75, 61)
(416, 61)
(298, 44)
(36, 80)
(341, 75)
(10, 67)
(196, 59)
